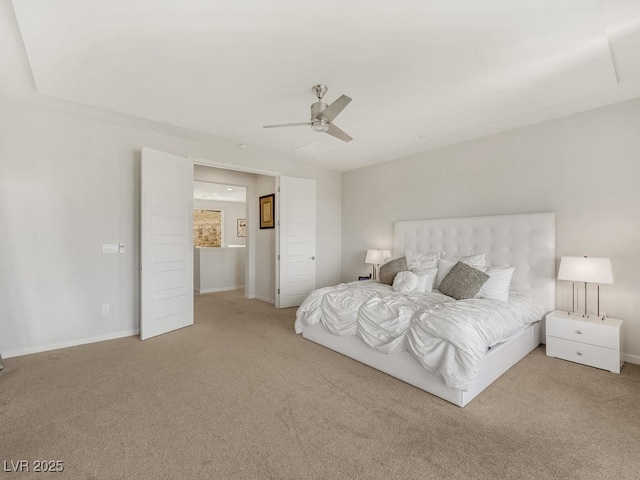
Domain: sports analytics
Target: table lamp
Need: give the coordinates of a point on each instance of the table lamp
(376, 257)
(586, 270)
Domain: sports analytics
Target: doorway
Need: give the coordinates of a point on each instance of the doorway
(219, 237)
(248, 260)
(166, 237)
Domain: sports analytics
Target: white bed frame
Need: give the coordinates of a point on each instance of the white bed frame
(525, 241)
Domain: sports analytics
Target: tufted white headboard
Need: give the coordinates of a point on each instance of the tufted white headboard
(525, 241)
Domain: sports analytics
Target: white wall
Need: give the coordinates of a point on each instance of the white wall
(68, 184)
(585, 167)
(196, 269)
(266, 247)
(219, 269)
(232, 211)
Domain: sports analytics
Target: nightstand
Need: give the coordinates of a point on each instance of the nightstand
(584, 340)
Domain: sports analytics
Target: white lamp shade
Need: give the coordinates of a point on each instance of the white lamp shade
(376, 256)
(586, 269)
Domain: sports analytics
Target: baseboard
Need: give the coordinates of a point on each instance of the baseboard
(266, 299)
(73, 343)
(631, 358)
(214, 290)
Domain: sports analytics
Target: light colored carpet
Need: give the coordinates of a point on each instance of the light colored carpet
(239, 395)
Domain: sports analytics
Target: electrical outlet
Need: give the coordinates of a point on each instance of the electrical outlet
(106, 308)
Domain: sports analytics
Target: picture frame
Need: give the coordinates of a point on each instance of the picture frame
(207, 228)
(267, 211)
(241, 227)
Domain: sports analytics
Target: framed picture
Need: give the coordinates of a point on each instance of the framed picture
(267, 216)
(242, 227)
(207, 228)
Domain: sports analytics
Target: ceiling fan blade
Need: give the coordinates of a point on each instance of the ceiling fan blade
(336, 132)
(333, 110)
(301, 124)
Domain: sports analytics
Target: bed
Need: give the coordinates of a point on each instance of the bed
(524, 241)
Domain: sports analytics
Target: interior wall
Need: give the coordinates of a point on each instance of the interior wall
(232, 211)
(585, 167)
(55, 217)
(266, 247)
(220, 269)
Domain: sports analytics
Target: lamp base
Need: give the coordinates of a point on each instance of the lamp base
(590, 316)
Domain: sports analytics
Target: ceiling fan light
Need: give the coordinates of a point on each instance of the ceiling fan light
(320, 127)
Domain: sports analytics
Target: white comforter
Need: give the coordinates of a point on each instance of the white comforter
(447, 337)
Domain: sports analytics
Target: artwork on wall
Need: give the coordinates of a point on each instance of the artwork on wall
(267, 216)
(207, 228)
(242, 227)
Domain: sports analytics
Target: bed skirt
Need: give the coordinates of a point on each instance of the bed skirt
(404, 367)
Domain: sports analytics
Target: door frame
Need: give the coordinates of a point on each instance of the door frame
(252, 222)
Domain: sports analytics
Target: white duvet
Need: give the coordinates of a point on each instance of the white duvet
(447, 337)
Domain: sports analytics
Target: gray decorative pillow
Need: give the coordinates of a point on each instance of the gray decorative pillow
(463, 281)
(389, 270)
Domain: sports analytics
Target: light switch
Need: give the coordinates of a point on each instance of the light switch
(121, 248)
(109, 248)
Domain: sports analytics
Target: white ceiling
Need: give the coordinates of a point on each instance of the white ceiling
(422, 73)
(218, 192)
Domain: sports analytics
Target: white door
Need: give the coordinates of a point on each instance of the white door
(166, 243)
(296, 240)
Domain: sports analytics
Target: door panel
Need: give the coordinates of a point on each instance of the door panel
(296, 240)
(166, 243)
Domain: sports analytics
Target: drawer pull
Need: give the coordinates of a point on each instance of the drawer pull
(579, 332)
(579, 353)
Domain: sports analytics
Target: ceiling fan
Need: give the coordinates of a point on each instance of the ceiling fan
(322, 115)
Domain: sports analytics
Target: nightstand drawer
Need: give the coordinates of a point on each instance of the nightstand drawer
(594, 356)
(592, 332)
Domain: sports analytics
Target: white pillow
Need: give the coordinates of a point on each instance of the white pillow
(468, 259)
(421, 261)
(426, 278)
(497, 287)
(405, 282)
(446, 263)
